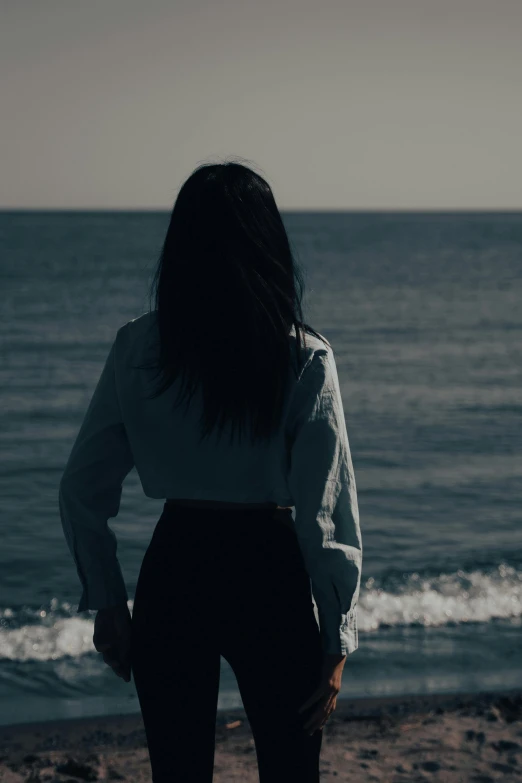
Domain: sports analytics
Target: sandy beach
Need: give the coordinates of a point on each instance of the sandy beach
(458, 738)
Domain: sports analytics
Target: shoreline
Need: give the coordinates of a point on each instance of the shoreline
(445, 737)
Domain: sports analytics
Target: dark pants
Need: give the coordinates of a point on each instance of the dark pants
(231, 583)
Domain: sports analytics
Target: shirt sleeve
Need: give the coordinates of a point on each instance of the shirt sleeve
(322, 483)
(90, 493)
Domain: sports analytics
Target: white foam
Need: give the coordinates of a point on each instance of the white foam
(461, 597)
(43, 642)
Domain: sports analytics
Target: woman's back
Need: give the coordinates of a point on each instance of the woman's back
(306, 464)
(170, 460)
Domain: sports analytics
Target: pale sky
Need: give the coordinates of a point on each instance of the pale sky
(340, 104)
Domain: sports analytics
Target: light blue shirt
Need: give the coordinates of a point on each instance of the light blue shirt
(306, 464)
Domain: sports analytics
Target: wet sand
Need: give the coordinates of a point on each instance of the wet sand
(460, 738)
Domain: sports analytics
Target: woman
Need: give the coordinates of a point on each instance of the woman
(227, 571)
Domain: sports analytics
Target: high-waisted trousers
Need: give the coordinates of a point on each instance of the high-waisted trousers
(225, 583)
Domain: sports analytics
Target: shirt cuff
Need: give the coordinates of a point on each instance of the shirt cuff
(342, 639)
(102, 592)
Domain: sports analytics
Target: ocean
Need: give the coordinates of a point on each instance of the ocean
(423, 313)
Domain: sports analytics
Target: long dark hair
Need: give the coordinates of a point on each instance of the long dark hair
(226, 292)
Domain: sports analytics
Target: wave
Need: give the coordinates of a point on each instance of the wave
(472, 596)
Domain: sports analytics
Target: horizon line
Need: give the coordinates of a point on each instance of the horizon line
(380, 210)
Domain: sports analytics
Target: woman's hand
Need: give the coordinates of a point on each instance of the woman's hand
(112, 638)
(326, 693)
